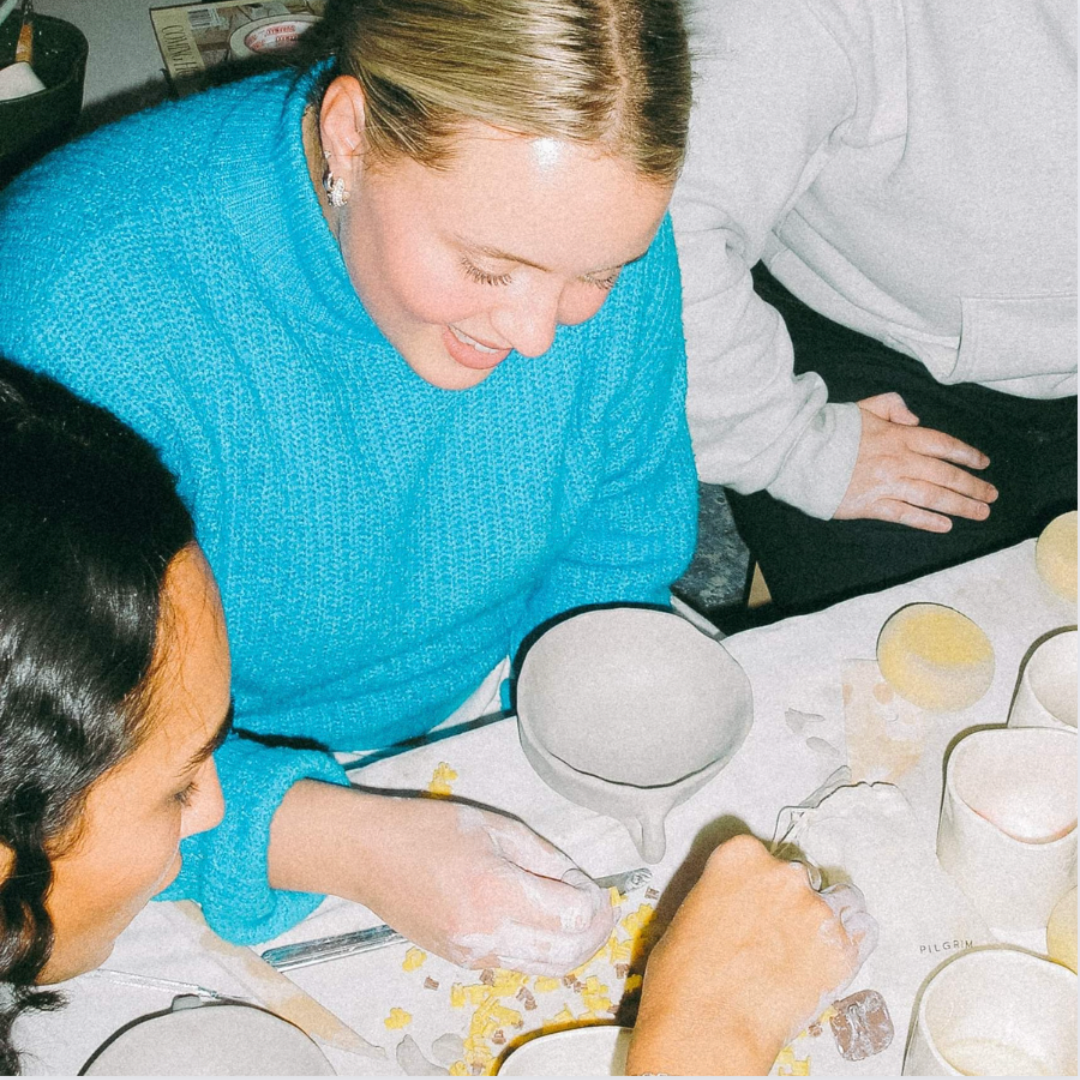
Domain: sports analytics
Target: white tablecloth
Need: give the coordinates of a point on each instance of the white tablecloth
(793, 665)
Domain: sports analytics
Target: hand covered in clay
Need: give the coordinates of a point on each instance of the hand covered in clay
(752, 956)
(910, 475)
(483, 890)
(476, 887)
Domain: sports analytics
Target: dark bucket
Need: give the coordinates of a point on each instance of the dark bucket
(33, 125)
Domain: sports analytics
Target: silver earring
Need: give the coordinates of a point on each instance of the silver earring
(334, 186)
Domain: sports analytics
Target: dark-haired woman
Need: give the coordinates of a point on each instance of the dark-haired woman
(408, 332)
(114, 695)
(114, 686)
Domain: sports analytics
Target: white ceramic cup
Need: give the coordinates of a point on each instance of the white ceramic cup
(1007, 832)
(596, 1050)
(1046, 693)
(995, 1011)
(629, 711)
(209, 1040)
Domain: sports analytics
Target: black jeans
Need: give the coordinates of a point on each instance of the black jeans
(808, 563)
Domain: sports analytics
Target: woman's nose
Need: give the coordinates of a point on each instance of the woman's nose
(528, 322)
(207, 805)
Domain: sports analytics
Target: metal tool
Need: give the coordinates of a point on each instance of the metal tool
(334, 947)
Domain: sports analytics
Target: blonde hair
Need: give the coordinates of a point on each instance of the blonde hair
(610, 72)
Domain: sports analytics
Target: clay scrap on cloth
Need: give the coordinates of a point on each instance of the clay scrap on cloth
(496, 1009)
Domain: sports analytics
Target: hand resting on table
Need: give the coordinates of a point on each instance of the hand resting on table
(910, 475)
(471, 885)
(752, 956)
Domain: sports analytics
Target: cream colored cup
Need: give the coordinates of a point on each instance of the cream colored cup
(596, 1050)
(629, 711)
(1046, 693)
(1007, 832)
(995, 1011)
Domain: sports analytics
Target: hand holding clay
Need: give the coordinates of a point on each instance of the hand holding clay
(908, 474)
(751, 957)
(473, 886)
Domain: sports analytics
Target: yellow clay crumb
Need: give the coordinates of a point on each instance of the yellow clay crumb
(505, 1017)
(801, 1068)
(507, 983)
(474, 1043)
(413, 959)
(479, 1056)
(594, 986)
(632, 982)
(596, 1003)
(441, 778)
(544, 984)
(621, 951)
(457, 996)
(617, 898)
(786, 1056)
(636, 921)
(478, 993)
(587, 1016)
(826, 1016)
(398, 1018)
(564, 1016)
(459, 1068)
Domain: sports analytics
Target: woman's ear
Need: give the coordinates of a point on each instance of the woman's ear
(341, 125)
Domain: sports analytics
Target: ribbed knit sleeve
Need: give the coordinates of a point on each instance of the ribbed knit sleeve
(637, 533)
(225, 869)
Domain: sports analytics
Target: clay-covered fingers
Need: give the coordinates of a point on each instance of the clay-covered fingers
(847, 903)
(807, 871)
(547, 915)
(518, 844)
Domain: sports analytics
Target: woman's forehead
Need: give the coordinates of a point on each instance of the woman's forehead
(540, 199)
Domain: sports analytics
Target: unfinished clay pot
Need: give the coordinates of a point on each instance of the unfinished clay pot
(628, 711)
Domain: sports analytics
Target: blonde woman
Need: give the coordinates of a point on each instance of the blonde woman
(406, 326)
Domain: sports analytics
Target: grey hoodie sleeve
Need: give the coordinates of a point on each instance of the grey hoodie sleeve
(773, 92)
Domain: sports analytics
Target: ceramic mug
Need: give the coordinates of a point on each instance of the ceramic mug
(594, 1050)
(995, 1011)
(629, 711)
(1007, 832)
(196, 1038)
(1046, 693)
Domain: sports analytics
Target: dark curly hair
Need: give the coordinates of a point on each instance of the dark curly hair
(89, 520)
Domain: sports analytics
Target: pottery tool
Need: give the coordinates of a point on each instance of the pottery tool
(24, 49)
(152, 982)
(336, 946)
(277, 993)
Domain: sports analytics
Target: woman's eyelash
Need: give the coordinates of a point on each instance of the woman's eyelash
(482, 276)
(606, 283)
(185, 795)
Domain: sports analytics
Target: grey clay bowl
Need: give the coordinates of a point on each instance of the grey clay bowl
(629, 711)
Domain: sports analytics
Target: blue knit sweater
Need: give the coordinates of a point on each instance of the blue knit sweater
(380, 543)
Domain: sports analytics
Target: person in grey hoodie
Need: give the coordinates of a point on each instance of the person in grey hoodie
(898, 393)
